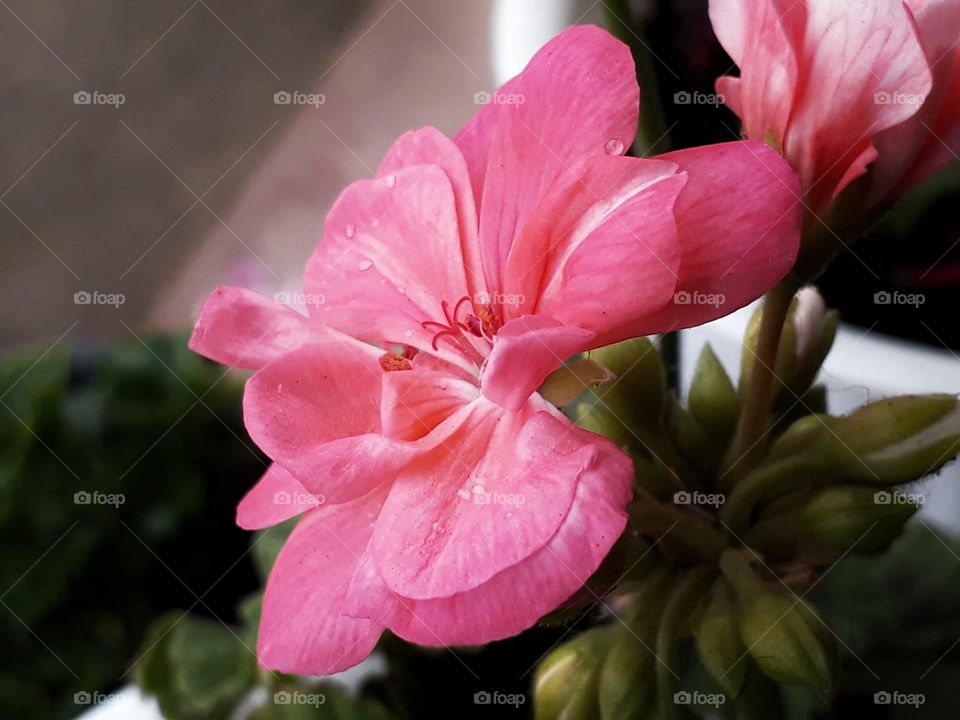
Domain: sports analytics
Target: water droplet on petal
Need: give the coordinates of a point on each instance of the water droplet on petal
(391, 180)
(365, 264)
(408, 333)
(613, 147)
(350, 230)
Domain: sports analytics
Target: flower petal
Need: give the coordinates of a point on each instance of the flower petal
(489, 491)
(525, 351)
(416, 401)
(389, 257)
(739, 220)
(429, 146)
(316, 411)
(276, 497)
(576, 97)
(245, 329)
(303, 629)
(514, 599)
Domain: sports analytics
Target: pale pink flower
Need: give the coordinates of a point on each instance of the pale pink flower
(847, 88)
(458, 505)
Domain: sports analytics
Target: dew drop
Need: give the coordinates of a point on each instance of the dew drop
(613, 147)
(365, 264)
(391, 180)
(351, 230)
(408, 333)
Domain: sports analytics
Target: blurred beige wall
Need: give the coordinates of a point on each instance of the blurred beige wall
(198, 177)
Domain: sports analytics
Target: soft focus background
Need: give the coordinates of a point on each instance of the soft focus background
(117, 219)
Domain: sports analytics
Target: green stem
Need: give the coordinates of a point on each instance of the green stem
(676, 612)
(703, 539)
(747, 445)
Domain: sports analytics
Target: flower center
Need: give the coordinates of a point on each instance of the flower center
(469, 325)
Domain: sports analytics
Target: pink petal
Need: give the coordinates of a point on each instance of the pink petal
(316, 411)
(245, 329)
(416, 401)
(739, 221)
(514, 599)
(429, 146)
(525, 351)
(617, 212)
(577, 96)
(276, 497)
(490, 490)
(303, 629)
(389, 257)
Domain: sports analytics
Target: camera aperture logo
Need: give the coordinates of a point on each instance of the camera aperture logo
(687, 297)
(295, 97)
(484, 697)
(300, 299)
(684, 497)
(84, 497)
(699, 698)
(898, 98)
(95, 97)
(95, 297)
(298, 697)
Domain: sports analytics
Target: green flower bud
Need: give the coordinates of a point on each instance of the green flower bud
(783, 634)
(890, 441)
(637, 397)
(626, 687)
(713, 400)
(690, 438)
(836, 520)
(566, 683)
(805, 341)
(718, 639)
(564, 384)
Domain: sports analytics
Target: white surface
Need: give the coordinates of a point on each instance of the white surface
(862, 366)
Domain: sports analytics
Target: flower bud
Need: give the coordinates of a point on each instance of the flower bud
(626, 688)
(805, 341)
(637, 397)
(783, 633)
(787, 640)
(712, 400)
(566, 683)
(564, 384)
(718, 639)
(890, 441)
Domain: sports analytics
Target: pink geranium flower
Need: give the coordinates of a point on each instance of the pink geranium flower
(458, 505)
(847, 88)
